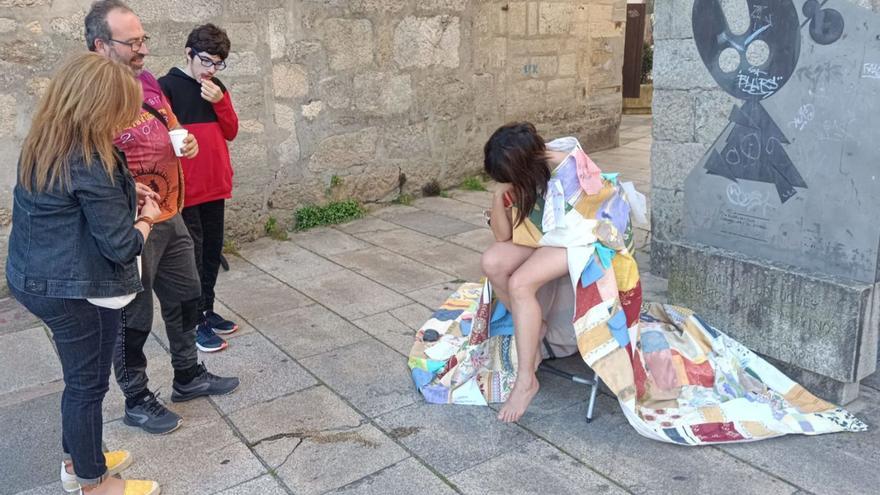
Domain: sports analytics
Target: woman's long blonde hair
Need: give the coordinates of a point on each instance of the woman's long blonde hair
(90, 100)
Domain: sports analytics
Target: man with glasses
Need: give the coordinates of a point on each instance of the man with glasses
(168, 262)
(203, 104)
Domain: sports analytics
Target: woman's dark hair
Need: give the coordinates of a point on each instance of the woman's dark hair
(516, 154)
(209, 38)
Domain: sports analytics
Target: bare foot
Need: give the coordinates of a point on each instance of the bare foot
(521, 396)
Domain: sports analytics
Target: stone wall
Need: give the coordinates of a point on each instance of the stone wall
(764, 193)
(384, 95)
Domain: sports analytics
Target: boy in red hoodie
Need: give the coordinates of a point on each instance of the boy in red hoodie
(202, 104)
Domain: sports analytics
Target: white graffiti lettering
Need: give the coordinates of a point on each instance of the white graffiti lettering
(757, 83)
(752, 201)
(805, 115)
(871, 70)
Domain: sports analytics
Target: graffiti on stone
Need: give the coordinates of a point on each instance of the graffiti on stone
(753, 145)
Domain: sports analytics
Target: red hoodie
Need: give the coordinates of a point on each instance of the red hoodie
(208, 176)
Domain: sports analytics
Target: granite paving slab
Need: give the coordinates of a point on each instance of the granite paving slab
(373, 377)
(390, 269)
(400, 240)
(478, 240)
(257, 294)
(287, 261)
(428, 222)
(836, 463)
(29, 360)
(265, 372)
(264, 485)
(451, 438)
(309, 330)
(611, 446)
(407, 476)
(534, 467)
(351, 295)
(390, 330)
(14, 317)
(30, 437)
(326, 241)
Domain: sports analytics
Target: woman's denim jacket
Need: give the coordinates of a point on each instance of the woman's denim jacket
(77, 241)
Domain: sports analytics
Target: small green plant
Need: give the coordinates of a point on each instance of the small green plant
(274, 230)
(405, 199)
(473, 184)
(329, 214)
(335, 181)
(444, 194)
(230, 247)
(432, 188)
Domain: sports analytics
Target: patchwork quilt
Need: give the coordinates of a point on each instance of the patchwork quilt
(678, 379)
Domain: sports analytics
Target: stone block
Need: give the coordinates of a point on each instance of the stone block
(532, 19)
(822, 325)
(405, 476)
(445, 97)
(677, 65)
(673, 116)
(248, 98)
(196, 11)
(672, 19)
(711, 114)
(382, 93)
(336, 91)
(567, 64)
(427, 41)
(454, 5)
(251, 126)
(555, 18)
(666, 217)
(349, 42)
(242, 34)
(290, 81)
(390, 330)
(248, 8)
(312, 109)
(672, 162)
(345, 150)
(370, 6)
(490, 53)
(405, 141)
(285, 260)
(516, 18)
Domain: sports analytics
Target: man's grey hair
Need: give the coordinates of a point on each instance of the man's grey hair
(96, 20)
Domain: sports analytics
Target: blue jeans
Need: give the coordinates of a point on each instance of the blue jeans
(85, 336)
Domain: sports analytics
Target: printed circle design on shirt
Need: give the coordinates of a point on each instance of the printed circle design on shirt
(155, 177)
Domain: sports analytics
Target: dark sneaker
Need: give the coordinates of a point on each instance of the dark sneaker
(207, 340)
(152, 416)
(220, 325)
(203, 384)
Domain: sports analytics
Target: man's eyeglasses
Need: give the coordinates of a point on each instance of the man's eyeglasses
(135, 45)
(207, 62)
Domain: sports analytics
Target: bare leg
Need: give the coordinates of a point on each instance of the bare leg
(545, 265)
(498, 264)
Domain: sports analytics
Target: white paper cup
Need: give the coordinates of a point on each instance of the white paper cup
(177, 137)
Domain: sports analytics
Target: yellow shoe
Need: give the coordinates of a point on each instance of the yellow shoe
(116, 461)
(141, 487)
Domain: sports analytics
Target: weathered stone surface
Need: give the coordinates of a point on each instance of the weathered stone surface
(32, 429)
(349, 43)
(336, 91)
(382, 93)
(673, 116)
(671, 162)
(31, 353)
(778, 312)
(390, 269)
(677, 65)
(711, 114)
(345, 150)
(456, 5)
(264, 485)
(426, 41)
(469, 435)
(312, 110)
(404, 476)
(290, 81)
(555, 18)
(351, 295)
(193, 12)
(309, 330)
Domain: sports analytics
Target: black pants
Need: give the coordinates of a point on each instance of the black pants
(205, 224)
(169, 269)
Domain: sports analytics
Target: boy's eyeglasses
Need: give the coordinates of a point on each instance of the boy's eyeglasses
(135, 45)
(207, 62)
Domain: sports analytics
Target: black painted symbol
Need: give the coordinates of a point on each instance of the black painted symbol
(752, 147)
(826, 25)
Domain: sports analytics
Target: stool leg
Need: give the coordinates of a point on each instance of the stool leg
(593, 390)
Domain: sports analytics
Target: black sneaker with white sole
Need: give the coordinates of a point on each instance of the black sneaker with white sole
(152, 416)
(203, 384)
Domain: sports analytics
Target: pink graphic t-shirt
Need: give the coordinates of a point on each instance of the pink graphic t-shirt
(148, 149)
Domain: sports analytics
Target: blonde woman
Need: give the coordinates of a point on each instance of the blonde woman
(78, 225)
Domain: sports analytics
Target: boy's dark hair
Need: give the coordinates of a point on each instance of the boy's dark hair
(209, 38)
(516, 155)
(96, 21)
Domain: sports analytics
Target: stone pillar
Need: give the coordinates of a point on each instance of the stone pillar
(765, 179)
